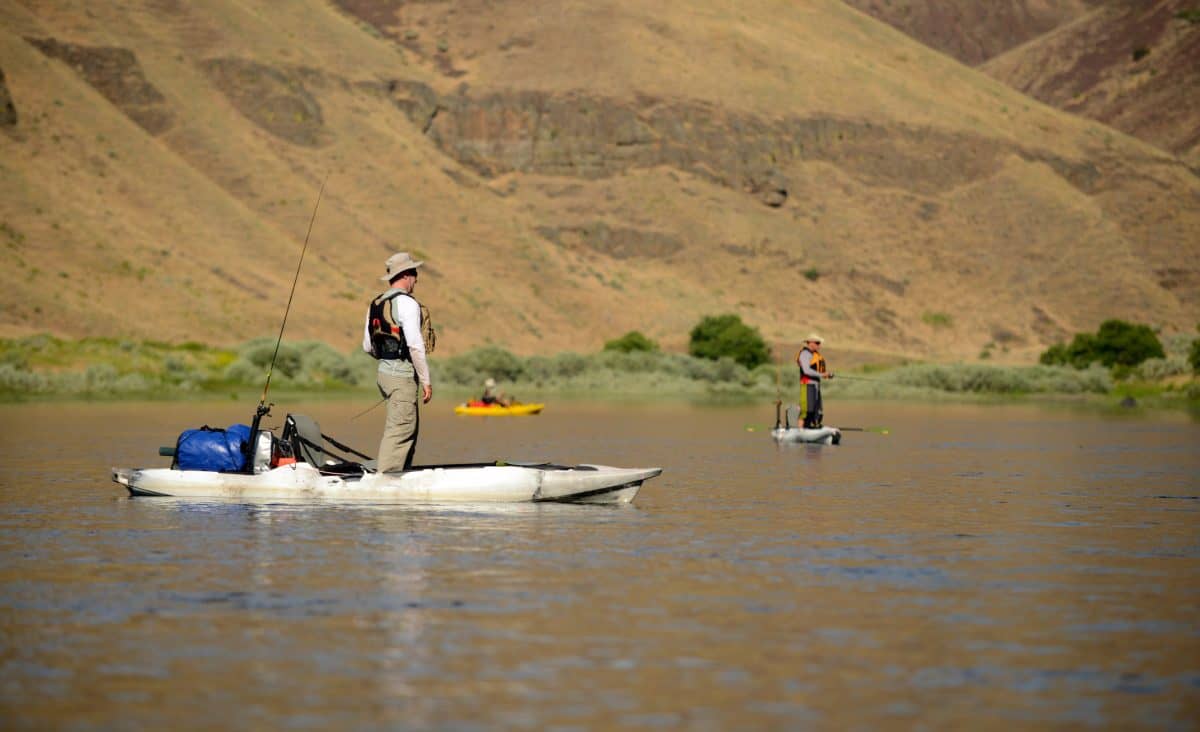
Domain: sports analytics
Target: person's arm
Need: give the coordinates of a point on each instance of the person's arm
(806, 366)
(366, 344)
(408, 314)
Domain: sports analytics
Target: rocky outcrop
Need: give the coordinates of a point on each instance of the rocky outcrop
(615, 242)
(8, 110)
(584, 136)
(274, 99)
(117, 75)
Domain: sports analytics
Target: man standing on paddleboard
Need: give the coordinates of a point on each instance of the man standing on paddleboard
(397, 332)
(812, 372)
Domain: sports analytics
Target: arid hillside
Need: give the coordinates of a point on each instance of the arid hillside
(973, 31)
(1132, 65)
(570, 171)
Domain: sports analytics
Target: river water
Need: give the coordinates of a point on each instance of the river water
(975, 568)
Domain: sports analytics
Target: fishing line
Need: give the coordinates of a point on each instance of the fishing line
(373, 406)
(291, 295)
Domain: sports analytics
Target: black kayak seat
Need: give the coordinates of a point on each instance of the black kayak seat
(309, 445)
(304, 435)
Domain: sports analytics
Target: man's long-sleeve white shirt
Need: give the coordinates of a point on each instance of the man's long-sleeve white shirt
(407, 313)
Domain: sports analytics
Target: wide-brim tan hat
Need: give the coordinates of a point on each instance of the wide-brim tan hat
(397, 263)
(814, 338)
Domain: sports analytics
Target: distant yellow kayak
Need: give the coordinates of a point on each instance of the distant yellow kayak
(495, 410)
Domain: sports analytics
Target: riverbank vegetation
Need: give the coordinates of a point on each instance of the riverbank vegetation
(631, 367)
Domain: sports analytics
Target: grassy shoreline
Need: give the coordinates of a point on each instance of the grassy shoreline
(44, 368)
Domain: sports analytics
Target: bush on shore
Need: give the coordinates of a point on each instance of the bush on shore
(607, 372)
(718, 336)
(1115, 344)
(1194, 354)
(632, 341)
(42, 366)
(988, 379)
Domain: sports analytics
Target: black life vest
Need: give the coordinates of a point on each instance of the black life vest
(387, 337)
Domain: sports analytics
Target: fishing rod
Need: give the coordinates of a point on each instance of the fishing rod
(263, 407)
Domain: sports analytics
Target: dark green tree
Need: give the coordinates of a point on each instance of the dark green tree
(630, 342)
(1126, 344)
(1116, 343)
(1082, 351)
(726, 335)
(1194, 356)
(1055, 355)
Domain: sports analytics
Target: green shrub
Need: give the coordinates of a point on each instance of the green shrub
(17, 380)
(1079, 353)
(321, 363)
(631, 341)
(242, 371)
(259, 351)
(558, 366)
(1115, 343)
(937, 320)
(1127, 344)
(1156, 369)
(1194, 355)
(726, 335)
(472, 367)
(989, 379)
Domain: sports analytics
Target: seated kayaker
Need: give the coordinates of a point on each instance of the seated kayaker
(492, 395)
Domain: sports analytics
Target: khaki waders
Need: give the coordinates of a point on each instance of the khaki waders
(403, 421)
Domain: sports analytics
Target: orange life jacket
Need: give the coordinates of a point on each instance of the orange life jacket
(817, 363)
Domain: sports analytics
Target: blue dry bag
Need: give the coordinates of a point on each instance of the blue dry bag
(209, 448)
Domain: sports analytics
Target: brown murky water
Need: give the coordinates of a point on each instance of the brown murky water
(978, 567)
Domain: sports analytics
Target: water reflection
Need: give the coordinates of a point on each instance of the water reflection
(1006, 559)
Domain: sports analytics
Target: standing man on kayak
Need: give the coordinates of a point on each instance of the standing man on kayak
(393, 334)
(812, 372)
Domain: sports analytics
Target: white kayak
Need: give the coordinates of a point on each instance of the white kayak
(818, 436)
(477, 483)
(301, 465)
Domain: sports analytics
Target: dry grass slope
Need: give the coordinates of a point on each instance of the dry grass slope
(1134, 66)
(570, 171)
(973, 31)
